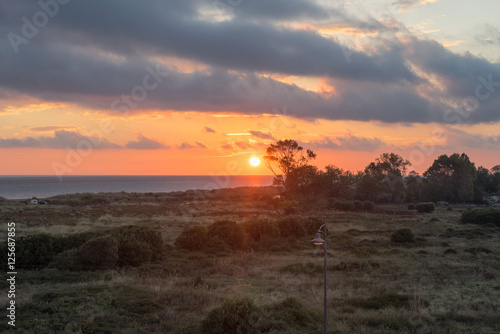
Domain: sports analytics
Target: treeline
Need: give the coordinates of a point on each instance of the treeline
(453, 178)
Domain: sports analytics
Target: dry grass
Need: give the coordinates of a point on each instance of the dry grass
(374, 285)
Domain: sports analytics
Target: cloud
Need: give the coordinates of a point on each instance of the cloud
(61, 140)
(144, 143)
(186, 145)
(242, 145)
(92, 61)
(209, 130)
(262, 135)
(348, 142)
(457, 139)
(404, 5)
(51, 128)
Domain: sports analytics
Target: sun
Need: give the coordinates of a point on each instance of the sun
(254, 161)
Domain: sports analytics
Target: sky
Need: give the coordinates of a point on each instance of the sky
(199, 87)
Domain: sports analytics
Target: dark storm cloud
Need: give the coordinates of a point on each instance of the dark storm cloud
(159, 27)
(473, 83)
(99, 53)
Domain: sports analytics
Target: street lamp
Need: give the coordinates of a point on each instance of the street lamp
(320, 241)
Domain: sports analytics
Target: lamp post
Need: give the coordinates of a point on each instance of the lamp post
(319, 241)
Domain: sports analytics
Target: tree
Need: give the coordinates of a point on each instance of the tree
(284, 156)
(450, 178)
(336, 182)
(302, 181)
(388, 171)
(412, 185)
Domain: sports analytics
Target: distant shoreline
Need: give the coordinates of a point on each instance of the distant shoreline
(26, 187)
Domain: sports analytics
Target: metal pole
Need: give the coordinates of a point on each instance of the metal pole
(324, 274)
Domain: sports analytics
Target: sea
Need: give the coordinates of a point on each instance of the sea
(26, 187)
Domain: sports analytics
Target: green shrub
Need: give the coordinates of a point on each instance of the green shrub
(291, 227)
(293, 313)
(358, 205)
(261, 227)
(192, 239)
(37, 251)
(99, 253)
(230, 233)
(368, 205)
(344, 206)
(412, 206)
(287, 204)
(403, 236)
(312, 224)
(137, 245)
(238, 315)
(425, 207)
(481, 217)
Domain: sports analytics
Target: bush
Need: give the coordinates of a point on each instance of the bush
(312, 224)
(403, 236)
(293, 313)
(344, 206)
(37, 251)
(368, 205)
(411, 206)
(237, 315)
(288, 204)
(230, 233)
(192, 239)
(358, 205)
(262, 227)
(99, 253)
(291, 227)
(138, 244)
(425, 207)
(481, 217)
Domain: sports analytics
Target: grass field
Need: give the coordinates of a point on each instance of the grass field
(445, 280)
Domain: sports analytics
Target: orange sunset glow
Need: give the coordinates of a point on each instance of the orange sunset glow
(349, 82)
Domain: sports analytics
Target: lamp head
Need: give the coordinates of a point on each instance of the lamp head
(318, 240)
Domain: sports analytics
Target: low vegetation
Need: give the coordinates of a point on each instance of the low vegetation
(231, 262)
